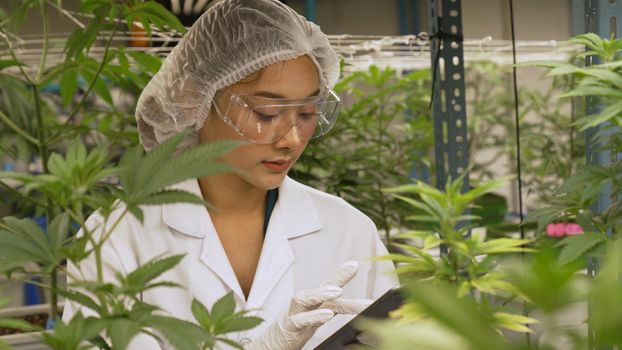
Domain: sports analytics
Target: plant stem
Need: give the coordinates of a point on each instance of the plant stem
(28, 198)
(97, 246)
(43, 153)
(75, 110)
(97, 250)
(17, 129)
(45, 42)
(54, 296)
(43, 150)
(11, 152)
(378, 143)
(14, 57)
(29, 280)
(114, 226)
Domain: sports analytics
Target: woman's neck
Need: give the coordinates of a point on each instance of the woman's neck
(230, 195)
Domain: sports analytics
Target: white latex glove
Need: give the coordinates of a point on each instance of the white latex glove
(309, 310)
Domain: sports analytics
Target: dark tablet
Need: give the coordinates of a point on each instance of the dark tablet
(347, 334)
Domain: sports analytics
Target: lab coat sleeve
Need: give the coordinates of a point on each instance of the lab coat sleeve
(382, 276)
(86, 270)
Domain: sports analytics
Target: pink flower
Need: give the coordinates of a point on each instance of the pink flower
(573, 229)
(561, 229)
(556, 230)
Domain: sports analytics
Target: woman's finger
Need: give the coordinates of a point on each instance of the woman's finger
(313, 318)
(312, 298)
(347, 306)
(346, 272)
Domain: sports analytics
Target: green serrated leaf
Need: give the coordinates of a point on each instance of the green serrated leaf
(181, 334)
(99, 87)
(514, 322)
(239, 324)
(503, 245)
(58, 231)
(149, 62)
(230, 343)
(56, 165)
(223, 308)
(80, 298)
(461, 315)
(10, 63)
(75, 43)
(27, 235)
(201, 314)
(68, 85)
(136, 212)
(18, 324)
(121, 332)
(140, 277)
(575, 246)
(608, 113)
(157, 14)
(159, 169)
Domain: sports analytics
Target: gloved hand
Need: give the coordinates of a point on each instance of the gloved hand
(309, 310)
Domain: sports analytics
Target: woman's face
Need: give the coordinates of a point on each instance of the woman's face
(264, 166)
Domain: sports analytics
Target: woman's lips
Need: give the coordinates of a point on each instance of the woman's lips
(277, 165)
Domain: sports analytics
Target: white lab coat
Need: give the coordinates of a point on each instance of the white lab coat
(310, 234)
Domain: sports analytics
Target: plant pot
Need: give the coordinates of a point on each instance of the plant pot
(492, 208)
(25, 341)
(30, 340)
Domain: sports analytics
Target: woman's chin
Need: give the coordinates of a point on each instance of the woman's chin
(272, 181)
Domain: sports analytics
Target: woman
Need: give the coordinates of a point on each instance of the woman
(256, 71)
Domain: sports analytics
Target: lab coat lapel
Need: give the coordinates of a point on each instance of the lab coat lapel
(294, 215)
(213, 255)
(194, 220)
(276, 257)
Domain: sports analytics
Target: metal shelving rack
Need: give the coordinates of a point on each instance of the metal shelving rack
(601, 17)
(448, 104)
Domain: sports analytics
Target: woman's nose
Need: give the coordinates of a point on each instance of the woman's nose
(291, 138)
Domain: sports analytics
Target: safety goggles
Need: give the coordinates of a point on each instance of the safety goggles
(266, 120)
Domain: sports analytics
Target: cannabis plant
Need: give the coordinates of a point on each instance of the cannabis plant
(383, 136)
(574, 201)
(447, 306)
(32, 126)
(468, 261)
(550, 145)
(88, 161)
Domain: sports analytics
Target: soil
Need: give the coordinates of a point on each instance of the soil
(36, 319)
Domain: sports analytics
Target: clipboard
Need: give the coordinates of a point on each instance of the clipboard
(389, 301)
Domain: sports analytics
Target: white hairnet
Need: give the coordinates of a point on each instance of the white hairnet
(230, 41)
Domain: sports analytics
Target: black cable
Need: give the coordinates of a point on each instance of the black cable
(440, 35)
(517, 129)
(434, 72)
(438, 57)
(518, 159)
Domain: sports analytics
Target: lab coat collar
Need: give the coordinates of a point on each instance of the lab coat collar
(293, 216)
(194, 220)
(294, 207)
(297, 210)
(187, 218)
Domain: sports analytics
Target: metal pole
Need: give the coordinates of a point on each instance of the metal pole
(448, 105)
(601, 18)
(310, 10)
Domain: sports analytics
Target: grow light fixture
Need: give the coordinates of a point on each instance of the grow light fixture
(403, 52)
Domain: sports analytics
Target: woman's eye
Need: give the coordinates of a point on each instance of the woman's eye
(307, 115)
(265, 117)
